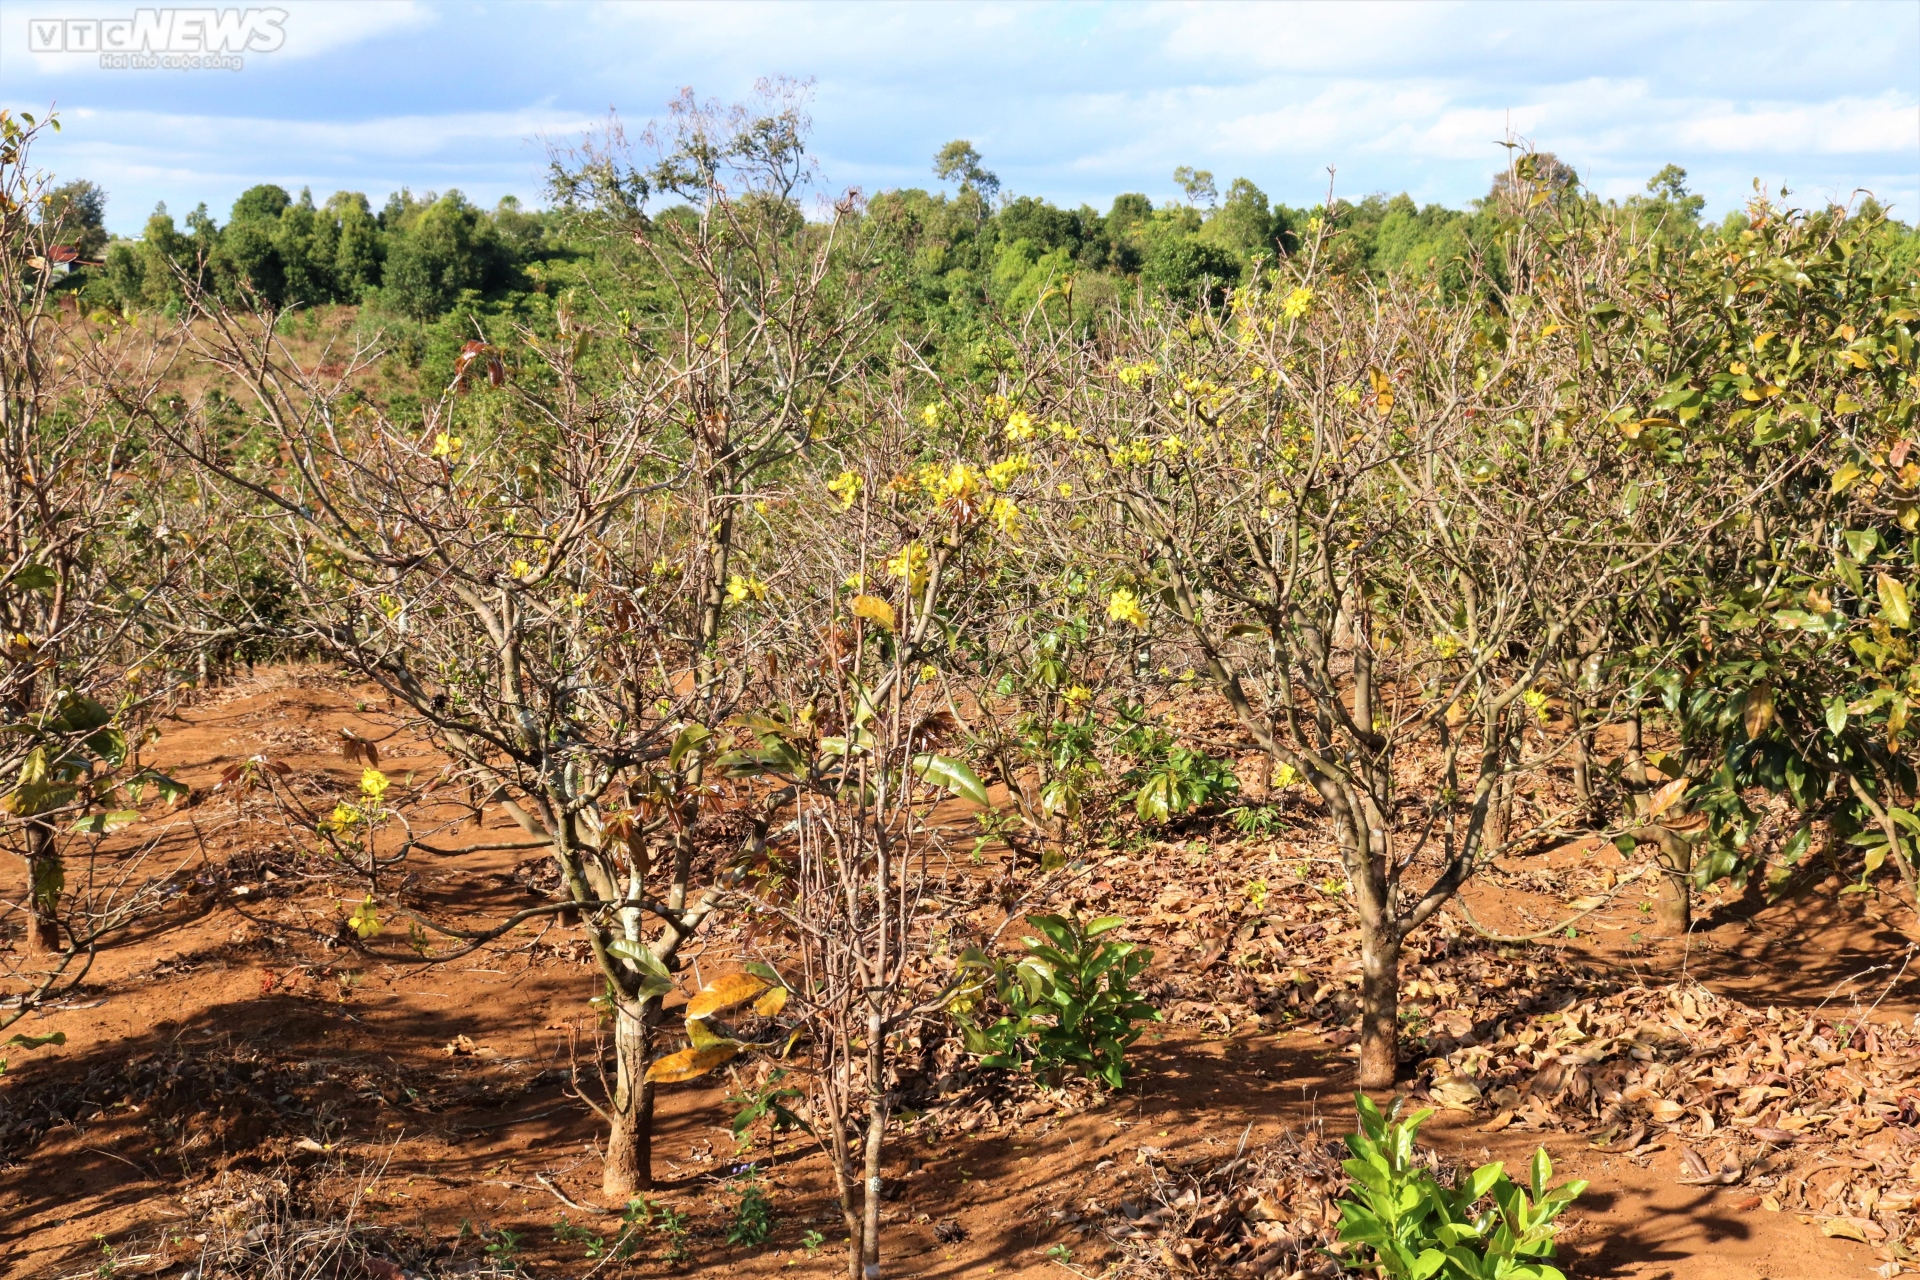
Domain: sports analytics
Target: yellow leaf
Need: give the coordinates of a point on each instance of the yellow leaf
(690, 1063)
(875, 610)
(771, 1003)
(703, 1036)
(1759, 710)
(724, 992)
(1893, 601)
(1664, 799)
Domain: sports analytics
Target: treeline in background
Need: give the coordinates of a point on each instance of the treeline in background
(427, 267)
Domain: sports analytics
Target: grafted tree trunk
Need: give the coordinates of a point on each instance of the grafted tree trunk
(1673, 905)
(868, 1263)
(629, 1165)
(47, 878)
(1379, 1006)
(1673, 896)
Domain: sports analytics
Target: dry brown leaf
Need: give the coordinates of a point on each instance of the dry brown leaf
(1865, 1230)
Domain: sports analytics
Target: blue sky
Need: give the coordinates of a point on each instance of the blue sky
(1074, 102)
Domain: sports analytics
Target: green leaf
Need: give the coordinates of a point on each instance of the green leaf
(655, 978)
(1843, 478)
(100, 824)
(953, 776)
(34, 1042)
(691, 739)
(109, 744)
(1837, 716)
(33, 577)
(1861, 542)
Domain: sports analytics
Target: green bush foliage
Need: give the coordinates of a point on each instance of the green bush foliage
(1412, 1227)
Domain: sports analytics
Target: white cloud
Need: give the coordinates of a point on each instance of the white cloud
(1847, 126)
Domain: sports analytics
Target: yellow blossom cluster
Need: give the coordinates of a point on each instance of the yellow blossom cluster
(741, 589)
(909, 564)
(1124, 606)
(846, 487)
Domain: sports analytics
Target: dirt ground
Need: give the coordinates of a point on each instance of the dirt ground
(238, 1044)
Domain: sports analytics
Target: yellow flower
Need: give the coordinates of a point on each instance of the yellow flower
(365, 921)
(1173, 446)
(373, 785)
(931, 414)
(740, 590)
(1005, 517)
(1064, 490)
(1446, 646)
(929, 672)
(1133, 375)
(1020, 426)
(446, 446)
(579, 600)
(1297, 303)
(1077, 696)
(660, 567)
(520, 569)
(846, 486)
(1124, 606)
(855, 582)
(910, 564)
(961, 484)
(760, 507)
(1001, 474)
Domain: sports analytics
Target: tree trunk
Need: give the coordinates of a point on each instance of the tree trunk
(1499, 816)
(48, 879)
(629, 1167)
(1674, 903)
(1379, 1007)
(1582, 750)
(870, 1219)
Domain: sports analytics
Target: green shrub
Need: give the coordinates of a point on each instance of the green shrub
(1070, 1001)
(1168, 780)
(1418, 1229)
(753, 1220)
